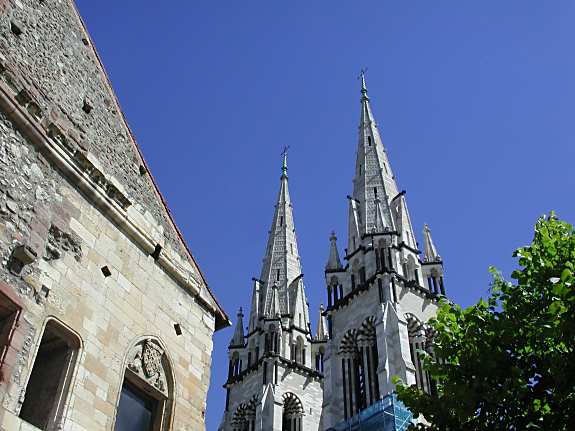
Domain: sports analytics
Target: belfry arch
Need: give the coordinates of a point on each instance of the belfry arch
(292, 414)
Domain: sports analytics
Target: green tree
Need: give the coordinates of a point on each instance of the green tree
(508, 363)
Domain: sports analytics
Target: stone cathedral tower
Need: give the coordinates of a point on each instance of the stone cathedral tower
(275, 370)
(379, 301)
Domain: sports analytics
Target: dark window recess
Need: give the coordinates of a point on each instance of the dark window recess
(281, 220)
(156, 253)
(50, 377)
(178, 329)
(15, 29)
(136, 410)
(106, 271)
(45, 291)
(278, 275)
(142, 170)
(85, 41)
(369, 140)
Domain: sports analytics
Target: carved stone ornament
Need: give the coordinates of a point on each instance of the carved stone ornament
(146, 361)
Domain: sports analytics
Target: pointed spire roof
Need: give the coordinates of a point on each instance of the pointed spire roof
(333, 262)
(430, 252)
(321, 333)
(238, 338)
(374, 183)
(281, 263)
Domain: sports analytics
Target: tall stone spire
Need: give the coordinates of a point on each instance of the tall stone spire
(374, 183)
(238, 338)
(430, 252)
(333, 262)
(281, 263)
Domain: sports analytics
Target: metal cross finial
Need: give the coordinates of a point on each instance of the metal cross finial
(284, 159)
(361, 76)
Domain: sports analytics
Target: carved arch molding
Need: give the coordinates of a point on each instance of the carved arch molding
(147, 360)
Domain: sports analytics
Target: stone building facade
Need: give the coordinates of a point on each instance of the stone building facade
(374, 324)
(101, 302)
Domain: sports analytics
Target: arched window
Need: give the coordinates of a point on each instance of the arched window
(47, 388)
(369, 361)
(412, 271)
(417, 344)
(299, 351)
(244, 418)
(359, 363)
(235, 365)
(272, 339)
(146, 397)
(319, 356)
(348, 354)
(292, 414)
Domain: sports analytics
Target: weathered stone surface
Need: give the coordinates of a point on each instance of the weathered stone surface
(51, 74)
(52, 55)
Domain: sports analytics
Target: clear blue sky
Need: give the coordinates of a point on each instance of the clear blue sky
(476, 101)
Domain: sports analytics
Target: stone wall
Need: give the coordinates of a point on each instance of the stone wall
(108, 313)
(85, 238)
(54, 55)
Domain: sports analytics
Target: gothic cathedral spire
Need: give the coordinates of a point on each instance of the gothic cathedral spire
(373, 184)
(281, 263)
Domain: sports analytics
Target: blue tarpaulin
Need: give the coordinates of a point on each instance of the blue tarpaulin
(387, 414)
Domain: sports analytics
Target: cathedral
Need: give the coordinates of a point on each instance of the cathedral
(283, 376)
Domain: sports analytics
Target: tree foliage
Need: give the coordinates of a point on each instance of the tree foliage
(508, 363)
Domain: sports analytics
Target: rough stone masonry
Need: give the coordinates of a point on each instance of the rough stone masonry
(99, 294)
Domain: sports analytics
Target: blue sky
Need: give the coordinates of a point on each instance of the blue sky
(475, 99)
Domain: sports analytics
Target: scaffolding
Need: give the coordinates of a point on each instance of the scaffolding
(387, 414)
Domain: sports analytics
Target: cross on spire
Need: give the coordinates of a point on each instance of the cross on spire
(284, 160)
(361, 76)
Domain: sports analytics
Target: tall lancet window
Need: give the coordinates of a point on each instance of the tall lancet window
(418, 343)
(369, 360)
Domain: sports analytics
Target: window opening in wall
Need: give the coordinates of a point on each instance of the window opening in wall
(281, 220)
(146, 394)
(50, 378)
(278, 275)
(136, 411)
(291, 248)
(369, 140)
(9, 315)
